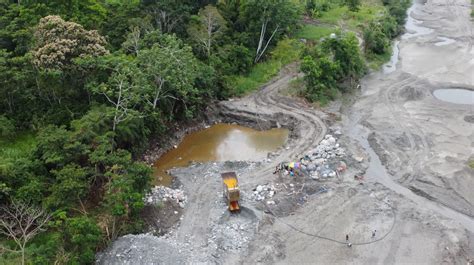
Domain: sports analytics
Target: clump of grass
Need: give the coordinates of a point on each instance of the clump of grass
(352, 20)
(472, 8)
(471, 163)
(295, 88)
(21, 144)
(375, 61)
(11, 149)
(312, 32)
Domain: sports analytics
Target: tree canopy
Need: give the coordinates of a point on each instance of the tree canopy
(88, 84)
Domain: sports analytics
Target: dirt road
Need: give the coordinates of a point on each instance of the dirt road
(412, 148)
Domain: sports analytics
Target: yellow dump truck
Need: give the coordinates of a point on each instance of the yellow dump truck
(231, 190)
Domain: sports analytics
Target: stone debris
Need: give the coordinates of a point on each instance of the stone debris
(319, 162)
(232, 234)
(358, 158)
(162, 193)
(263, 192)
(143, 249)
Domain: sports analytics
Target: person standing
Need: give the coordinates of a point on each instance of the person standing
(373, 233)
(347, 238)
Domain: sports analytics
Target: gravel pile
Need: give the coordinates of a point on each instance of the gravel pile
(325, 159)
(232, 232)
(160, 193)
(263, 192)
(143, 249)
(231, 236)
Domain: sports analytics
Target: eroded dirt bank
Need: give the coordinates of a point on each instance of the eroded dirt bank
(411, 148)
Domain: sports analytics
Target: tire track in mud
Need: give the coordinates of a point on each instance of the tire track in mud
(378, 170)
(390, 97)
(311, 129)
(466, 27)
(404, 122)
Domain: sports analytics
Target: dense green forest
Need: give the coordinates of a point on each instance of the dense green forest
(85, 84)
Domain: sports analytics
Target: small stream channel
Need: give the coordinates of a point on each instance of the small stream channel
(220, 142)
(391, 65)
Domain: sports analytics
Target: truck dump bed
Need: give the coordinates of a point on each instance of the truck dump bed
(230, 179)
(231, 190)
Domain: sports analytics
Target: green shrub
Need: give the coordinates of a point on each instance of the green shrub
(375, 40)
(286, 51)
(326, 66)
(7, 128)
(83, 238)
(311, 32)
(315, 8)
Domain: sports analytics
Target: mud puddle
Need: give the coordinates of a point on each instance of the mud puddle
(221, 142)
(455, 95)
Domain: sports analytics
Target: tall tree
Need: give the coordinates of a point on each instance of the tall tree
(124, 91)
(21, 222)
(268, 20)
(59, 42)
(169, 16)
(132, 42)
(171, 69)
(207, 27)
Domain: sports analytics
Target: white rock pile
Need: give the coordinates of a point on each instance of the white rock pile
(326, 149)
(162, 194)
(263, 192)
(316, 161)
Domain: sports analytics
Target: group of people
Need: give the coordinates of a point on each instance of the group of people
(292, 168)
(349, 244)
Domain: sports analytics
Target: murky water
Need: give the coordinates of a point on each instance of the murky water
(413, 26)
(455, 95)
(391, 66)
(221, 142)
(444, 41)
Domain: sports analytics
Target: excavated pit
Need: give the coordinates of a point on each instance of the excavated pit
(220, 142)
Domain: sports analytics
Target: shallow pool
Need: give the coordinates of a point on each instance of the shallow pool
(455, 95)
(221, 142)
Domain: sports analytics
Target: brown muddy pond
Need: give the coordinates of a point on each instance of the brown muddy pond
(220, 142)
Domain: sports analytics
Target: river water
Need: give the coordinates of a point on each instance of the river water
(221, 142)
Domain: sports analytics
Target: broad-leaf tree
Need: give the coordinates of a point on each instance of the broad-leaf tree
(59, 42)
(267, 21)
(171, 69)
(124, 91)
(208, 26)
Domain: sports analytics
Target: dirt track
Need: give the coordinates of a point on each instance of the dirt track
(418, 188)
